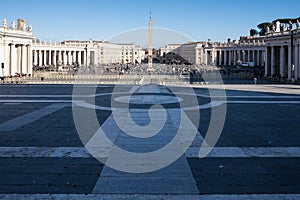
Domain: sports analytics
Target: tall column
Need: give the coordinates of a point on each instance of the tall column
(69, 58)
(297, 67)
(253, 56)
(64, 58)
(239, 55)
(89, 58)
(40, 58)
(272, 60)
(84, 58)
(45, 57)
(35, 58)
(59, 56)
(220, 57)
(282, 61)
(79, 58)
(10, 59)
(50, 57)
(289, 63)
(230, 57)
(266, 56)
(258, 58)
(234, 57)
(249, 52)
(225, 57)
(23, 60)
(29, 60)
(54, 58)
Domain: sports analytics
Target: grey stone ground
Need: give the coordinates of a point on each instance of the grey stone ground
(256, 157)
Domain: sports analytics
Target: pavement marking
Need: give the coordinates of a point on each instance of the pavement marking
(191, 152)
(150, 196)
(23, 120)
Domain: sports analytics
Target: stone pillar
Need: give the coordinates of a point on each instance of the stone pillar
(59, 56)
(35, 58)
(50, 57)
(272, 60)
(45, 57)
(258, 58)
(234, 57)
(253, 57)
(64, 58)
(297, 62)
(282, 61)
(289, 63)
(266, 61)
(29, 60)
(54, 58)
(10, 59)
(69, 58)
(225, 57)
(79, 58)
(229, 57)
(40, 58)
(84, 58)
(249, 54)
(220, 57)
(23, 60)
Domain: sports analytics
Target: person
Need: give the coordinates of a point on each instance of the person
(255, 80)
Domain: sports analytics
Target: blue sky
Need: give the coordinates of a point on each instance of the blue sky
(100, 19)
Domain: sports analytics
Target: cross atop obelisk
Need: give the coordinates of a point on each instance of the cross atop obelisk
(150, 44)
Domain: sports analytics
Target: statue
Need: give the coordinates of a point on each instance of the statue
(283, 27)
(4, 23)
(273, 28)
(268, 30)
(291, 25)
(297, 24)
(277, 26)
(21, 24)
(30, 28)
(13, 24)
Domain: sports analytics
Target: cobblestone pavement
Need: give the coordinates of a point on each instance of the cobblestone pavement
(256, 157)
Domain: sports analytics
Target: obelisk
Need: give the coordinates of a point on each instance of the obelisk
(149, 68)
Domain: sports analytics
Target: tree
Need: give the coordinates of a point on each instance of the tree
(263, 27)
(253, 32)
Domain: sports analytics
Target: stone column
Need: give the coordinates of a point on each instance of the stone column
(220, 57)
(23, 60)
(35, 58)
(297, 62)
(79, 58)
(266, 60)
(59, 56)
(272, 60)
(84, 57)
(258, 58)
(225, 57)
(50, 57)
(40, 58)
(69, 58)
(29, 60)
(249, 54)
(234, 57)
(289, 63)
(230, 57)
(282, 61)
(10, 59)
(45, 57)
(253, 56)
(54, 58)
(65, 58)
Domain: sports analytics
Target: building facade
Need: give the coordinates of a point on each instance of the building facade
(15, 48)
(277, 52)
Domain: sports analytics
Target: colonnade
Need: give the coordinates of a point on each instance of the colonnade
(55, 57)
(18, 60)
(283, 61)
(233, 56)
